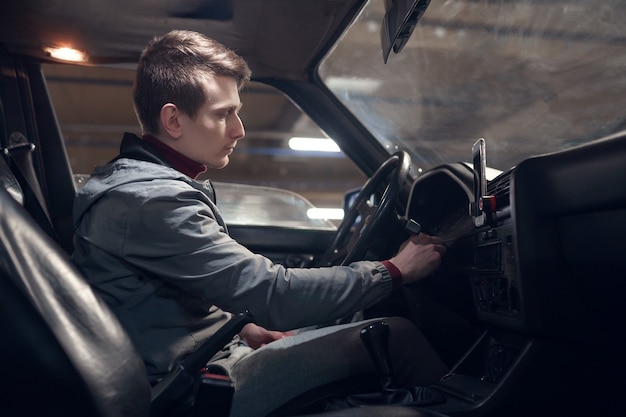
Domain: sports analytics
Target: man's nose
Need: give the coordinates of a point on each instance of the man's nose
(238, 131)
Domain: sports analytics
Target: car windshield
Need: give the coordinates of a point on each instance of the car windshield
(529, 76)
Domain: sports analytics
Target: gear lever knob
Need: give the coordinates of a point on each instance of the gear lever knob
(375, 336)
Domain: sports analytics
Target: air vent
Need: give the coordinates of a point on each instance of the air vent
(500, 188)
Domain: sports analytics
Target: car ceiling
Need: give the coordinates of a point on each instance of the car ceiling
(277, 37)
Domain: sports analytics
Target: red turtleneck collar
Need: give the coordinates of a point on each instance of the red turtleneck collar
(177, 160)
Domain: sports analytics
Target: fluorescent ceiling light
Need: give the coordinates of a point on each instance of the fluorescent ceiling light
(313, 144)
(325, 213)
(354, 85)
(64, 53)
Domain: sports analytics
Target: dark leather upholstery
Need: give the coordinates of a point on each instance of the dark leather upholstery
(63, 353)
(10, 183)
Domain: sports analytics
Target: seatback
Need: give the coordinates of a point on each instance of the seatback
(63, 352)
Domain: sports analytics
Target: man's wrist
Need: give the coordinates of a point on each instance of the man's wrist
(394, 273)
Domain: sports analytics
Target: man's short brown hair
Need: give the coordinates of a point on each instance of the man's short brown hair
(171, 69)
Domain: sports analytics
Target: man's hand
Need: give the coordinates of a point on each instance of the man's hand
(419, 257)
(257, 336)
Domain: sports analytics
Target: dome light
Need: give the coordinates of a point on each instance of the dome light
(64, 53)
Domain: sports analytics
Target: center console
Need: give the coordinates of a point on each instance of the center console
(547, 272)
(501, 355)
(494, 272)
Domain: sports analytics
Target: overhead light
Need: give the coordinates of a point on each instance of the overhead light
(65, 53)
(353, 85)
(325, 213)
(313, 144)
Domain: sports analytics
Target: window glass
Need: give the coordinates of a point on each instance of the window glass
(529, 76)
(94, 108)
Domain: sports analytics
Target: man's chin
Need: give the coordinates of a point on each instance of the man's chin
(218, 164)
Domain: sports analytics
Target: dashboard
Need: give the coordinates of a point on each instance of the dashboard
(530, 266)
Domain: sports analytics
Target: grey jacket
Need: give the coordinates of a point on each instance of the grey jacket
(152, 242)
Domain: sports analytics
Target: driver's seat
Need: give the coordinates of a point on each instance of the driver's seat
(63, 352)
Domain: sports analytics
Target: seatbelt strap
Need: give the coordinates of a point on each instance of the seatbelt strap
(19, 150)
(10, 183)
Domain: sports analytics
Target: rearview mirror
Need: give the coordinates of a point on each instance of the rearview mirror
(401, 17)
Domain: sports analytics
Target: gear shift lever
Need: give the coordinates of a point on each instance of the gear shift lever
(375, 336)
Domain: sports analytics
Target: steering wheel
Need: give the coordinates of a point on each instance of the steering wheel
(364, 218)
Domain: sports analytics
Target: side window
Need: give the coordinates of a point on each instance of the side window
(94, 108)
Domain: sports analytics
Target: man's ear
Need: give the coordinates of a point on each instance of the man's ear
(169, 120)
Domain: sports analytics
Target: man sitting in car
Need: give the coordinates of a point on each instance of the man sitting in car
(150, 239)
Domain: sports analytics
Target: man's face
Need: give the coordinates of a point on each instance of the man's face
(212, 135)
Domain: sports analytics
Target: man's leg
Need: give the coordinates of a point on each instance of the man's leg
(282, 370)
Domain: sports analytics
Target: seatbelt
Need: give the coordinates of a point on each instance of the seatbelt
(19, 150)
(10, 183)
